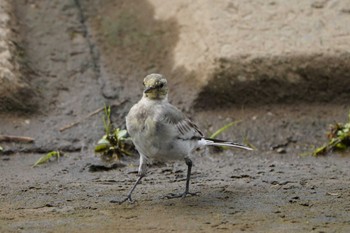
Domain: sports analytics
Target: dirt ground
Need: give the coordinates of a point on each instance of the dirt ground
(76, 66)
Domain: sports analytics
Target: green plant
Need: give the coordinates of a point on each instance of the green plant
(115, 143)
(107, 119)
(46, 158)
(223, 129)
(339, 139)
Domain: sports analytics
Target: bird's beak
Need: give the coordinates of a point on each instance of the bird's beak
(148, 89)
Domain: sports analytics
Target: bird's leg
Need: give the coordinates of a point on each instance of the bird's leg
(128, 197)
(187, 192)
(142, 172)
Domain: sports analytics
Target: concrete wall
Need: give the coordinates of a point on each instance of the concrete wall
(15, 93)
(263, 51)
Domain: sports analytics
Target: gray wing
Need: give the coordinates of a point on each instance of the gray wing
(173, 117)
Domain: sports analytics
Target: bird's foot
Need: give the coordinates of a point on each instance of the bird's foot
(128, 198)
(181, 195)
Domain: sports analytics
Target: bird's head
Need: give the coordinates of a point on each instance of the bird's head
(156, 87)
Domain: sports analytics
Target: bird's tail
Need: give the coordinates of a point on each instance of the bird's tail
(218, 142)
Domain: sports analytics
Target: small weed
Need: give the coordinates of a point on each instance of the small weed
(223, 129)
(115, 143)
(46, 158)
(339, 139)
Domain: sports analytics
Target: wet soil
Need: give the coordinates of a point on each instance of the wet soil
(76, 66)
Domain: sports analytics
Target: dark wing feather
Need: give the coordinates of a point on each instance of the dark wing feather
(186, 128)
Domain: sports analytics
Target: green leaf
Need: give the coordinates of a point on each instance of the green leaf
(47, 157)
(340, 146)
(103, 140)
(320, 150)
(101, 147)
(122, 134)
(224, 128)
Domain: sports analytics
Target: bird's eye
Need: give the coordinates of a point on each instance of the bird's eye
(161, 85)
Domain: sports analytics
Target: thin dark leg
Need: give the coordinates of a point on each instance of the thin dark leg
(187, 192)
(128, 197)
(189, 168)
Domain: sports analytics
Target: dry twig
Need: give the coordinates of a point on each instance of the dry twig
(8, 138)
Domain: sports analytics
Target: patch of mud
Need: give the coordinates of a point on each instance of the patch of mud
(239, 191)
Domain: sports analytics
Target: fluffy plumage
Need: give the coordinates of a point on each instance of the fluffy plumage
(162, 132)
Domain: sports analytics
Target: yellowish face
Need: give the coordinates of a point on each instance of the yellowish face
(156, 86)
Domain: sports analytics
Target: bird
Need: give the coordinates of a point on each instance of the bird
(161, 132)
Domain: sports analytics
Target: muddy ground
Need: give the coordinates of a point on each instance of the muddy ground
(75, 65)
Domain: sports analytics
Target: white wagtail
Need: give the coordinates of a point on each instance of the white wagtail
(161, 132)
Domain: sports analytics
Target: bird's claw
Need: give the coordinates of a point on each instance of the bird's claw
(128, 198)
(181, 195)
